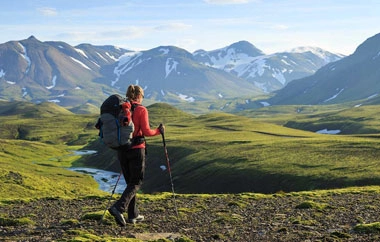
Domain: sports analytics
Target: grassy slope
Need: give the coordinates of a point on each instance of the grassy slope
(231, 156)
(34, 151)
(218, 152)
(214, 153)
(34, 170)
(208, 152)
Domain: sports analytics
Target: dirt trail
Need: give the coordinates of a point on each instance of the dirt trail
(202, 218)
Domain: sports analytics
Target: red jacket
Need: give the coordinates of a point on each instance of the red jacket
(141, 121)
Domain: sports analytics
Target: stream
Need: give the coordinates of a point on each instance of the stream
(105, 179)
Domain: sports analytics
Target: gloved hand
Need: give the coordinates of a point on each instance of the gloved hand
(161, 127)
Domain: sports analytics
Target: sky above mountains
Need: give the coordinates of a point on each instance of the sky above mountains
(270, 25)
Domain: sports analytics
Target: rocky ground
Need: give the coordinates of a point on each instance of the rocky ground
(241, 217)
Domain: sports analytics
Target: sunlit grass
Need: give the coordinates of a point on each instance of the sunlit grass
(214, 150)
(33, 170)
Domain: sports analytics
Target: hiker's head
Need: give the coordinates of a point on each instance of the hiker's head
(134, 93)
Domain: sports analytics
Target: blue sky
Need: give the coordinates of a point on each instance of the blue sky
(271, 25)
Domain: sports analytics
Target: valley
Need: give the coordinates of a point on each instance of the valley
(246, 177)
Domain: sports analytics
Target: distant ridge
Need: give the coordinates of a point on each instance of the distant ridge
(355, 77)
(71, 76)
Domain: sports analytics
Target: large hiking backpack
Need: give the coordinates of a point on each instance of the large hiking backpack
(115, 122)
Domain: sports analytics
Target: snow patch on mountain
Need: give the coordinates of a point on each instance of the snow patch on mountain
(24, 92)
(285, 62)
(81, 52)
(101, 56)
(257, 66)
(26, 57)
(372, 96)
(262, 86)
(186, 98)
(316, 51)
(53, 81)
(228, 58)
(81, 63)
(125, 63)
(265, 104)
(336, 95)
(128, 57)
(277, 74)
(164, 51)
(111, 56)
(170, 65)
(93, 62)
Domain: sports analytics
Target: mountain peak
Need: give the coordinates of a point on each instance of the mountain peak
(369, 47)
(323, 54)
(32, 38)
(303, 49)
(245, 47)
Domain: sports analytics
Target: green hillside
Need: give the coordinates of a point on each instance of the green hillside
(36, 147)
(212, 153)
(348, 118)
(32, 169)
(218, 152)
(45, 122)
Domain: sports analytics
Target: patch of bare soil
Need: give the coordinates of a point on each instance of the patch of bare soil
(239, 217)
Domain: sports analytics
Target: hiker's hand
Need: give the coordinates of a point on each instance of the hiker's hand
(161, 127)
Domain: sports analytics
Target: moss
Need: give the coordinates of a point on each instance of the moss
(69, 222)
(235, 203)
(311, 204)
(368, 228)
(94, 215)
(225, 218)
(15, 221)
(184, 239)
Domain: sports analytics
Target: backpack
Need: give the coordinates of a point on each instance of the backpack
(115, 122)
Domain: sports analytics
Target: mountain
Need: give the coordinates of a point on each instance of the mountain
(53, 71)
(355, 77)
(73, 76)
(267, 72)
(169, 73)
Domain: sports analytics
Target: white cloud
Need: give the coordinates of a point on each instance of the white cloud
(46, 11)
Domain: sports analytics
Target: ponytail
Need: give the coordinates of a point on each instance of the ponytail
(133, 92)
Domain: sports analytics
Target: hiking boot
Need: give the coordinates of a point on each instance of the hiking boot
(118, 215)
(139, 218)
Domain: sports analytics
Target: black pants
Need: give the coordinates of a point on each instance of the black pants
(133, 167)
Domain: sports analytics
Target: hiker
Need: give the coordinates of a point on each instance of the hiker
(132, 161)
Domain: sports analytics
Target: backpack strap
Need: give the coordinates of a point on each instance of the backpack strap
(138, 139)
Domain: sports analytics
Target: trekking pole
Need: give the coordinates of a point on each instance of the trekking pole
(109, 200)
(170, 173)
